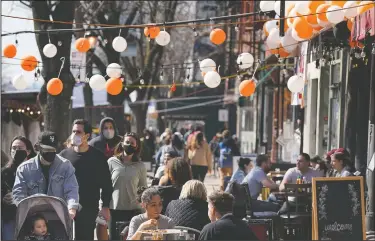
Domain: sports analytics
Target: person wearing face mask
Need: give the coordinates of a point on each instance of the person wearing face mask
(21, 149)
(47, 173)
(108, 138)
(84, 158)
(128, 174)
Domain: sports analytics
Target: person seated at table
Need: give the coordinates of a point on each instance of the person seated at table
(152, 218)
(341, 164)
(318, 164)
(302, 170)
(224, 225)
(257, 179)
(190, 210)
(244, 167)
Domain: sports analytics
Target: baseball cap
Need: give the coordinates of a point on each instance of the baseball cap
(48, 140)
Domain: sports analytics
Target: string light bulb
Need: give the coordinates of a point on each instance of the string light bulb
(161, 76)
(31, 113)
(142, 81)
(59, 43)
(363, 53)
(236, 28)
(38, 112)
(373, 48)
(11, 110)
(195, 32)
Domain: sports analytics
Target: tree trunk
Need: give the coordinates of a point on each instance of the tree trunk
(55, 108)
(140, 116)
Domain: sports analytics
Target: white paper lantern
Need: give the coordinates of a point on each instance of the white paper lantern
(302, 7)
(269, 25)
(207, 65)
(336, 16)
(114, 70)
(296, 84)
(119, 44)
(163, 38)
(50, 50)
(350, 10)
(265, 6)
(97, 82)
(323, 23)
(19, 82)
(212, 79)
(288, 42)
(245, 60)
(273, 40)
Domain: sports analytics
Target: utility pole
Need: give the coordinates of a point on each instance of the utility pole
(282, 18)
(370, 155)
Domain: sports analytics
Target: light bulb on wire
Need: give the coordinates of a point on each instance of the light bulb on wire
(363, 53)
(236, 28)
(373, 48)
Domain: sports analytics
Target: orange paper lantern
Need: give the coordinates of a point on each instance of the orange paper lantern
(114, 86)
(313, 5)
(303, 28)
(10, 51)
(29, 63)
(151, 32)
(338, 3)
(282, 52)
(82, 45)
(247, 88)
(312, 19)
(217, 36)
(365, 6)
(321, 12)
(55, 86)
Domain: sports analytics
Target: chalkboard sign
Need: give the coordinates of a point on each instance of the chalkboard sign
(338, 208)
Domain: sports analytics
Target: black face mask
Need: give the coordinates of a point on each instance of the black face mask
(129, 149)
(19, 156)
(48, 156)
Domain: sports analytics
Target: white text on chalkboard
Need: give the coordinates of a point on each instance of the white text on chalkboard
(338, 227)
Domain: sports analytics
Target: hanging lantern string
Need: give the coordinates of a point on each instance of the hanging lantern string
(176, 24)
(62, 66)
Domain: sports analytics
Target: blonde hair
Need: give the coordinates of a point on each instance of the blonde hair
(194, 189)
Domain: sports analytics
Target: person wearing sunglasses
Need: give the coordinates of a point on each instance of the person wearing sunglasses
(47, 173)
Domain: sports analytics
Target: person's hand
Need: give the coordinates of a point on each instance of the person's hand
(105, 213)
(72, 213)
(8, 198)
(149, 223)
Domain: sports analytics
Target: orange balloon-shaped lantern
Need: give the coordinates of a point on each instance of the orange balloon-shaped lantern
(55, 86)
(29, 63)
(321, 12)
(312, 19)
(364, 6)
(338, 3)
(282, 52)
(10, 51)
(151, 32)
(247, 88)
(82, 45)
(114, 86)
(217, 36)
(313, 5)
(303, 28)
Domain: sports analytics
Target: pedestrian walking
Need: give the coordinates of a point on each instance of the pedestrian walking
(93, 176)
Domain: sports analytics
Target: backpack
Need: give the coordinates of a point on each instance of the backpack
(226, 157)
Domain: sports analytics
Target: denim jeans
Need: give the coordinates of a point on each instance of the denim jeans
(7, 229)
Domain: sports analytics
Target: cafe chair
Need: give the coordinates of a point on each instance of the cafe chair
(190, 231)
(261, 223)
(296, 215)
(123, 229)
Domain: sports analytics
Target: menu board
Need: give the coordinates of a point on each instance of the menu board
(338, 208)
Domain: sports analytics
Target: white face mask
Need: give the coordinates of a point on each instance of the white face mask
(108, 134)
(76, 140)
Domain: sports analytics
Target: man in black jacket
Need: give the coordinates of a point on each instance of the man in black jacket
(94, 179)
(224, 225)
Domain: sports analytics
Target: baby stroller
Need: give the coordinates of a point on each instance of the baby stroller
(54, 209)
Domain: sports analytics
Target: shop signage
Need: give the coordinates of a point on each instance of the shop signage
(338, 208)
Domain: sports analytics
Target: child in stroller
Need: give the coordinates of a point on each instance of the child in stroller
(38, 229)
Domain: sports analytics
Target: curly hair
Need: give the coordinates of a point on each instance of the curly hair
(179, 171)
